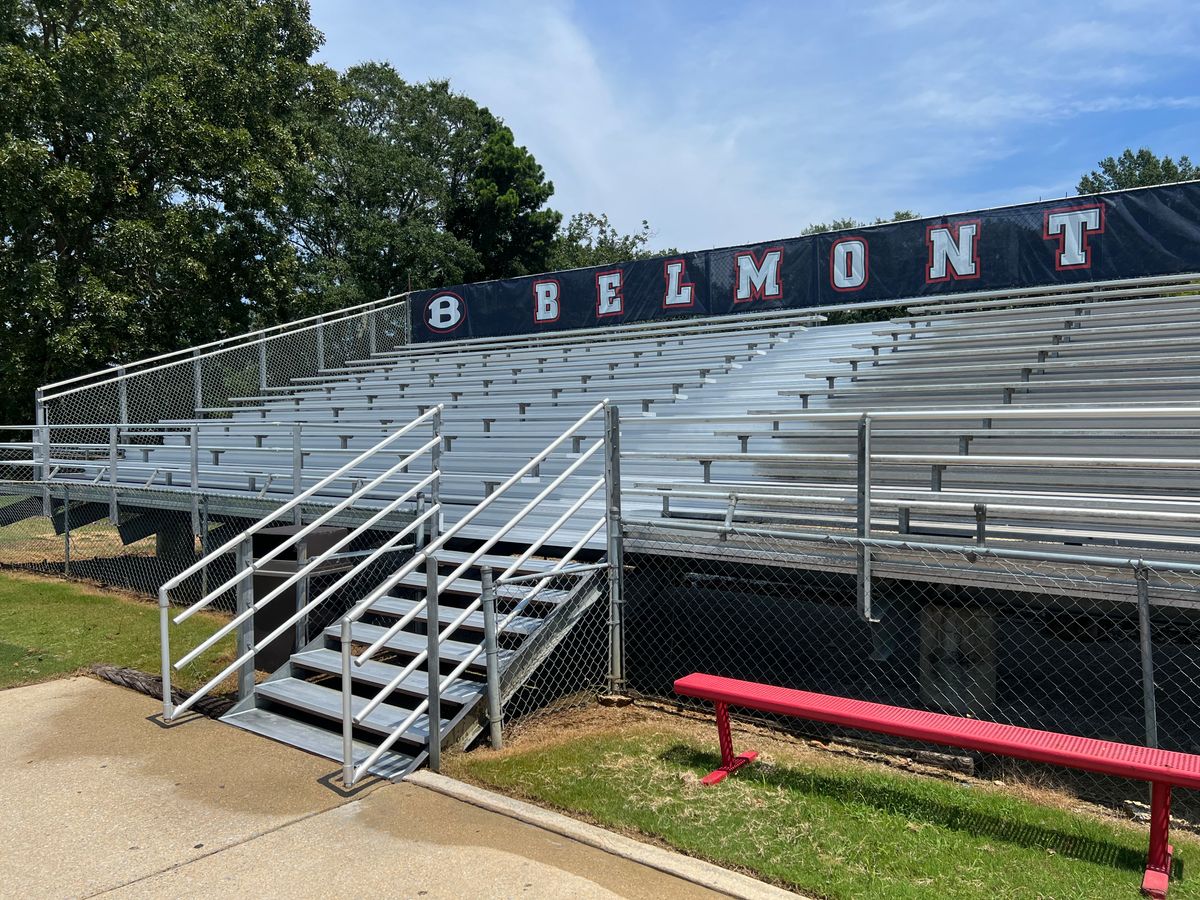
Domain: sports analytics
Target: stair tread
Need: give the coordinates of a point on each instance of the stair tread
(315, 739)
(324, 701)
(407, 642)
(498, 562)
(472, 588)
(398, 606)
(380, 673)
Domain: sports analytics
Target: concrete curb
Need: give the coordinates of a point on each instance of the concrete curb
(705, 874)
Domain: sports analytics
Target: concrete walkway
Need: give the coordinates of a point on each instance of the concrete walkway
(99, 799)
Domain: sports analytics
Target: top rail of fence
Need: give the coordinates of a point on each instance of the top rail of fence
(163, 360)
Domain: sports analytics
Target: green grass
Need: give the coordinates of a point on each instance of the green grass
(827, 826)
(50, 628)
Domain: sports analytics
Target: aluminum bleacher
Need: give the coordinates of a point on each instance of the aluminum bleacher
(1048, 419)
(1066, 419)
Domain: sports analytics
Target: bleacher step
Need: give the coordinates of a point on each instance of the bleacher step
(319, 741)
(416, 684)
(397, 606)
(327, 702)
(470, 588)
(407, 642)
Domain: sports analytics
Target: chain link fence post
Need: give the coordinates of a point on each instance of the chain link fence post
(615, 549)
(433, 663)
(491, 648)
(1146, 647)
(865, 610)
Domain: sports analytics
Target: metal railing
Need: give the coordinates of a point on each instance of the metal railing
(180, 383)
(107, 457)
(246, 566)
(865, 493)
(427, 558)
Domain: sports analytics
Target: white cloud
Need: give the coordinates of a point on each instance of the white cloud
(730, 124)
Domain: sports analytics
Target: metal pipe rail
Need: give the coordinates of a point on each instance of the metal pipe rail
(248, 568)
(1047, 411)
(1058, 293)
(434, 587)
(439, 542)
(969, 550)
(648, 330)
(247, 339)
(865, 459)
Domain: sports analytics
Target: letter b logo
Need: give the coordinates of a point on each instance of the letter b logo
(445, 312)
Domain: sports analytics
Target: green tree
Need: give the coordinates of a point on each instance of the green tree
(589, 239)
(899, 215)
(1139, 169)
(501, 213)
(414, 185)
(145, 148)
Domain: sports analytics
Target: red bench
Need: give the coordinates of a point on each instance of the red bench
(1164, 769)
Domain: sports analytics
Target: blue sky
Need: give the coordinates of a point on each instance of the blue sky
(728, 123)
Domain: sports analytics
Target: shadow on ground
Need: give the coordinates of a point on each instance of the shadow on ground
(898, 801)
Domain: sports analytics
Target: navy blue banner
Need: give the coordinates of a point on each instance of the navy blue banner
(1124, 234)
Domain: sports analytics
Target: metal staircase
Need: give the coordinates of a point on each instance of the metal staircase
(480, 614)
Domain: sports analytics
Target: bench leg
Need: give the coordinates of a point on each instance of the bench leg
(1158, 860)
(729, 762)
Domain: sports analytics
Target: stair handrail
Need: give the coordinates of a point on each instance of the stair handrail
(443, 538)
(441, 586)
(430, 483)
(428, 556)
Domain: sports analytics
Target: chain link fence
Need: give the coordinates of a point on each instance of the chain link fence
(576, 670)
(179, 385)
(1049, 644)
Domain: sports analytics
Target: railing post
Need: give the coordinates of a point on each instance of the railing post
(419, 541)
(114, 516)
(347, 705)
(297, 470)
(301, 627)
(194, 463)
(164, 641)
(320, 330)
(615, 550)
(204, 549)
(43, 438)
(864, 519)
(435, 465)
(245, 632)
(372, 316)
(66, 511)
(433, 662)
(122, 396)
(1147, 651)
(262, 364)
(197, 382)
(491, 649)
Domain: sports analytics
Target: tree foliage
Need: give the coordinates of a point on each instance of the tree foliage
(175, 171)
(415, 185)
(144, 151)
(899, 215)
(590, 239)
(1139, 169)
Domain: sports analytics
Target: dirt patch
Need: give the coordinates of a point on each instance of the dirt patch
(34, 541)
